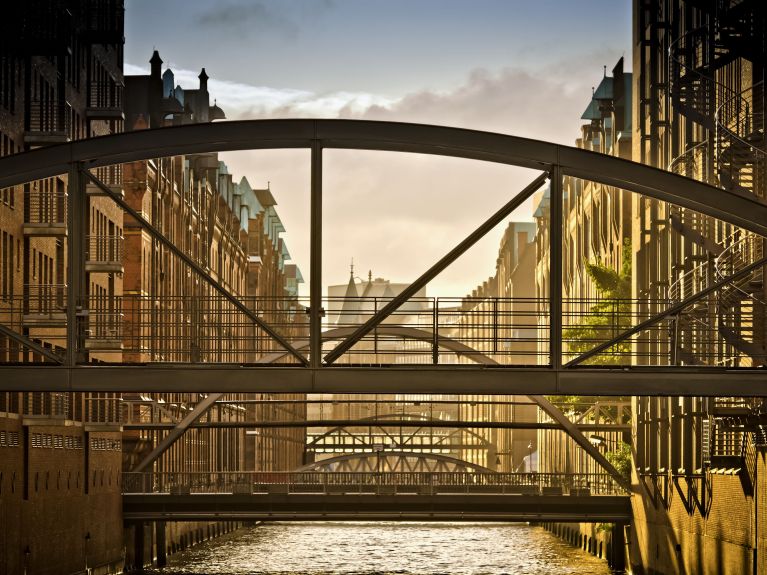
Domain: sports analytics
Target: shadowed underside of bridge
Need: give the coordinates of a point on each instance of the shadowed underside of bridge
(377, 507)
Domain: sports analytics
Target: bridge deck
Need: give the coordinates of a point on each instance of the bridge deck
(376, 507)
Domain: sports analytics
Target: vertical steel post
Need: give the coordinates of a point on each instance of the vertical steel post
(77, 217)
(435, 332)
(555, 267)
(495, 324)
(315, 258)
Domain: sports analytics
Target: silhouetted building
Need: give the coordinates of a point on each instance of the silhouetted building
(699, 70)
(60, 80)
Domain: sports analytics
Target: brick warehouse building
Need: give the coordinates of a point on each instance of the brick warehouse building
(62, 80)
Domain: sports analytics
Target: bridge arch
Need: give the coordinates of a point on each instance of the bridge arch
(386, 136)
(380, 422)
(395, 461)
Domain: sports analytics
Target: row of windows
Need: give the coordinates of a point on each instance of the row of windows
(9, 438)
(10, 72)
(102, 444)
(51, 441)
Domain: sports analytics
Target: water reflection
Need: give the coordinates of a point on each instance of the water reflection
(386, 547)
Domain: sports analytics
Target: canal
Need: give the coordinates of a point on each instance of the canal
(385, 547)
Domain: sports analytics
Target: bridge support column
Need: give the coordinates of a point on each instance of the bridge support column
(138, 547)
(160, 544)
(617, 557)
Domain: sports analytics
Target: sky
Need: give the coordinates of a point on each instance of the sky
(522, 68)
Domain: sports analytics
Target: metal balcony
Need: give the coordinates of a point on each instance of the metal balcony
(111, 177)
(103, 323)
(105, 101)
(46, 305)
(50, 122)
(105, 254)
(45, 214)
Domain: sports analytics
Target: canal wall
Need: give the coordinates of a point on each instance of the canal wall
(709, 523)
(604, 540)
(154, 542)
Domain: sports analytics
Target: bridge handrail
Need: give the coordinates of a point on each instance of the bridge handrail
(183, 483)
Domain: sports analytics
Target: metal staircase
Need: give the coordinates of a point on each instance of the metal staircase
(740, 143)
(694, 59)
(740, 304)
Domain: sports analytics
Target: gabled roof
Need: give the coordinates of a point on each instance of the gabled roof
(265, 196)
(592, 111)
(605, 89)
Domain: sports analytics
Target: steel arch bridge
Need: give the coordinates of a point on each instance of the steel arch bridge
(319, 372)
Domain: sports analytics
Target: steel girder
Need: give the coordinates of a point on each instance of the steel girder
(444, 379)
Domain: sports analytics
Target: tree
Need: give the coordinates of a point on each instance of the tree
(608, 317)
(620, 458)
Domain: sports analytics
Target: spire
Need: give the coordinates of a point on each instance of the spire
(352, 269)
(203, 80)
(156, 63)
(351, 304)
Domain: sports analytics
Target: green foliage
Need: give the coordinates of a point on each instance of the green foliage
(608, 317)
(620, 458)
(606, 527)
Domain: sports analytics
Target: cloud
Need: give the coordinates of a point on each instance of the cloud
(255, 17)
(285, 18)
(543, 104)
(245, 101)
(399, 213)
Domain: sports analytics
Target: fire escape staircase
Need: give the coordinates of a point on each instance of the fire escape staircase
(741, 303)
(733, 314)
(694, 58)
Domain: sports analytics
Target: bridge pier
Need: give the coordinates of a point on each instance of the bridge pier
(138, 547)
(160, 543)
(616, 558)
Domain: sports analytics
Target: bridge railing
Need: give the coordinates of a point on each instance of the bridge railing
(508, 332)
(259, 482)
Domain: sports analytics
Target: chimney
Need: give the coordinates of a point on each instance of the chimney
(203, 81)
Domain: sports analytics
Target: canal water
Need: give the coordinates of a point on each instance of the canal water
(383, 548)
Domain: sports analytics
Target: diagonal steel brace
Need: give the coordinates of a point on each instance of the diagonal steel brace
(192, 264)
(673, 310)
(433, 271)
(25, 341)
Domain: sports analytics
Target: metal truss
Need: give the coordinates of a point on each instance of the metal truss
(318, 374)
(549, 408)
(394, 461)
(414, 423)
